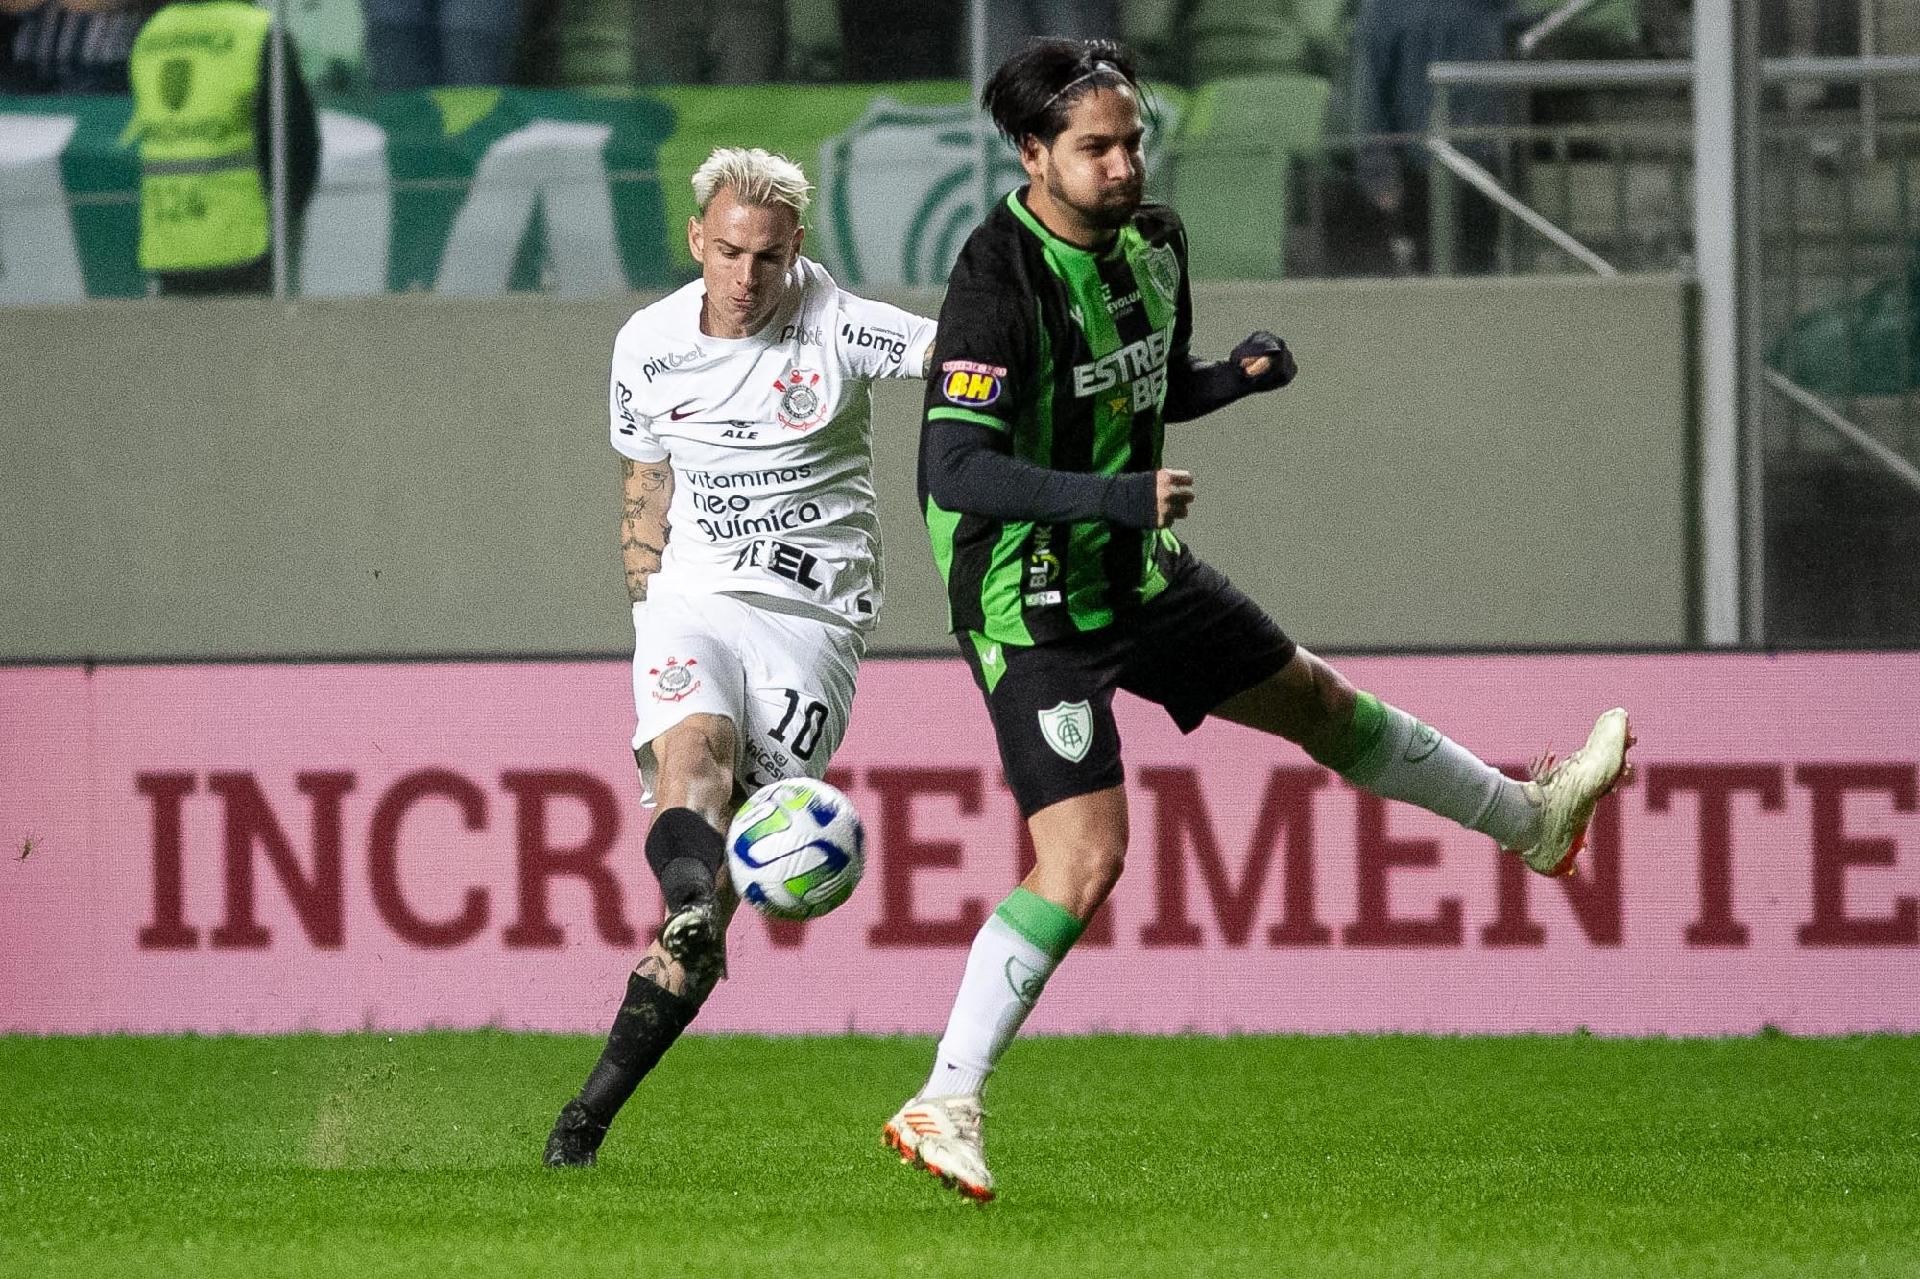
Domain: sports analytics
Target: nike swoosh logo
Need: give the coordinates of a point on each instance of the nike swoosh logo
(676, 415)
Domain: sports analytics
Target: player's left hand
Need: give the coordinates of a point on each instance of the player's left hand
(1265, 362)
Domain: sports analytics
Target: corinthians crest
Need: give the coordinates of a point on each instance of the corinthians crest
(675, 680)
(801, 407)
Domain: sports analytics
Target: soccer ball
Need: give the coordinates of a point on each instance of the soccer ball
(796, 849)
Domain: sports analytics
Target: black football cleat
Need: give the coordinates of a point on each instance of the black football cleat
(575, 1139)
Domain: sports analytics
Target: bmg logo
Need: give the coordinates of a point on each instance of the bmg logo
(875, 339)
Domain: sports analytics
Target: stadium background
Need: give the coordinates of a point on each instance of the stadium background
(311, 649)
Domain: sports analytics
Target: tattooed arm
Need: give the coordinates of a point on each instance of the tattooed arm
(647, 488)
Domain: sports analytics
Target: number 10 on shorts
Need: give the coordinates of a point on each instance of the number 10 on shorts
(812, 717)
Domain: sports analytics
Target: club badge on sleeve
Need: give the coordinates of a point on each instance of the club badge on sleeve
(969, 384)
(675, 680)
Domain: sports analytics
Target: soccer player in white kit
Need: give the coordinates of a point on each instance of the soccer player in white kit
(741, 411)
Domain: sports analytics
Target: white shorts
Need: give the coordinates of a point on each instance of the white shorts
(784, 678)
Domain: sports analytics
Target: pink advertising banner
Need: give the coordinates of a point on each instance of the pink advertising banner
(272, 848)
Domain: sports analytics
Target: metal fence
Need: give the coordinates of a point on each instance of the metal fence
(1839, 295)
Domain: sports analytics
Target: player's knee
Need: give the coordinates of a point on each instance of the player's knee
(1103, 864)
(1316, 703)
(1084, 872)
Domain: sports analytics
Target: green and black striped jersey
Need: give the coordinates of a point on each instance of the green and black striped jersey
(1066, 351)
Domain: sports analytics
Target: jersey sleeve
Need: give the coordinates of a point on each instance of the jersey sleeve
(984, 354)
(878, 340)
(630, 429)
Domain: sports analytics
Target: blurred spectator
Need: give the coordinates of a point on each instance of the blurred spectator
(1394, 41)
(332, 35)
(887, 40)
(69, 46)
(422, 44)
(1012, 23)
(201, 114)
(711, 42)
(620, 42)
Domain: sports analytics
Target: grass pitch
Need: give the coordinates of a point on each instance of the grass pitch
(418, 1155)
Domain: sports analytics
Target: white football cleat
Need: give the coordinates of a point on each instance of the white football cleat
(942, 1135)
(1567, 792)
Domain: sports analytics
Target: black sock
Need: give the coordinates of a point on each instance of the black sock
(685, 854)
(648, 1022)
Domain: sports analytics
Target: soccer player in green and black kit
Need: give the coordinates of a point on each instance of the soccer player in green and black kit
(1061, 355)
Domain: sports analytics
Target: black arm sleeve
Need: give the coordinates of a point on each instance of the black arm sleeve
(1198, 387)
(969, 469)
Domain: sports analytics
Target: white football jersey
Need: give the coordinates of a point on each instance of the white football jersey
(770, 438)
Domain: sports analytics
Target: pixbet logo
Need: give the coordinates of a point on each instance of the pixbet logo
(659, 364)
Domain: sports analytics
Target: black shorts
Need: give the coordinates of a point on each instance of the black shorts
(1197, 643)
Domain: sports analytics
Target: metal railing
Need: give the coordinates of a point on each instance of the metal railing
(1842, 198)
(1866, 342)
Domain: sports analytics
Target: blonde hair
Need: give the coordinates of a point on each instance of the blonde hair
(754, 176)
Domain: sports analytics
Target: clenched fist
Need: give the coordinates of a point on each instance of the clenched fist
(1173, 491)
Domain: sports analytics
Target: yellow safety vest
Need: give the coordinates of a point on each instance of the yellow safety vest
(196, 71)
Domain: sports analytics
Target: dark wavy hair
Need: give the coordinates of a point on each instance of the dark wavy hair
(1034, 90)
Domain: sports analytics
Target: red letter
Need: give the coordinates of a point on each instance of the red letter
(383, 858)
(1834, 852)
(1377, 856)
(540, 861)
(1180, 818)
(1716, 785)
(169, 930)
(250, 820)
(906, 856)
(1593, 893)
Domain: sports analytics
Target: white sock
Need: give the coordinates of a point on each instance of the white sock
(1419, 765)
(1013, 954)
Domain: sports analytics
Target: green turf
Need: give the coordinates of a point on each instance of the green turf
(417, 1155)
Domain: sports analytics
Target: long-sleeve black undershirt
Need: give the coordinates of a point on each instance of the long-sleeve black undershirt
(969, 467)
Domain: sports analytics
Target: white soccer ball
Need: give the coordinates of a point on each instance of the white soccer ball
(796, 849)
